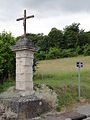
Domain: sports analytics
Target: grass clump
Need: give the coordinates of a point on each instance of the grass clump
(6, 84)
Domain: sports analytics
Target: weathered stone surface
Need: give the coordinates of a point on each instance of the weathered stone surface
(24, 86)
(24, 77)
(24, 72)
(26, 107)
(6, 115)
(24, 44)
(13, 97)
(26, 61)
(44, 92)
(24, 69)
(26, 53)
(9, 116)
(2, 110)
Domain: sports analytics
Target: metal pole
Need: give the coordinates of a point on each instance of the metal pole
(24, 23)
(79, 81)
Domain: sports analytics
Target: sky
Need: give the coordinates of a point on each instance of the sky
(48, 14)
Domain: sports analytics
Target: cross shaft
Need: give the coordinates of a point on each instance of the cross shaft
(24, 21)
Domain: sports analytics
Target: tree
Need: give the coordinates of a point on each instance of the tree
(44, 43)
(71, 35)
(56, 38)
(83, 38)
(7, 57)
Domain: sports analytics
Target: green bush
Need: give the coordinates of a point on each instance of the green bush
(53, 53)
(79, 50)
(87, 49)
(41, 55)
(68, 53)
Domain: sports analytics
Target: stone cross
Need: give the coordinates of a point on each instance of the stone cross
(24, 21)
(24, 62)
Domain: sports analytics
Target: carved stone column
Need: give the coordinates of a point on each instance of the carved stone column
(24, 65)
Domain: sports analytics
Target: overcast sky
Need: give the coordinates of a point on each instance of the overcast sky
(48, 14)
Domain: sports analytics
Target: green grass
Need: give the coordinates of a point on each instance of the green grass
(62, 76)
(6, 84)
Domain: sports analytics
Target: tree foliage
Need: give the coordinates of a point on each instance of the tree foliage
(55, 38)
(7, 57)
(69, 42)
(71, 35)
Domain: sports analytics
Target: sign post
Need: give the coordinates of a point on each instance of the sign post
(79, 65)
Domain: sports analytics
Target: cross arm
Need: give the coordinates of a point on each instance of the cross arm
(30, 17)
(20, 19)
(25, 18)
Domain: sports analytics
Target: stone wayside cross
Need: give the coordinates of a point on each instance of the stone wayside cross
(24, 62)
(23, 102)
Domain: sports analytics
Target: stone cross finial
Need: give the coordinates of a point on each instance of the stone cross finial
(24, 21)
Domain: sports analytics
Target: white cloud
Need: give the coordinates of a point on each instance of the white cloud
(48, 14)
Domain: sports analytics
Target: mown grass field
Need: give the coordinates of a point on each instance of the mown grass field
(62, 76)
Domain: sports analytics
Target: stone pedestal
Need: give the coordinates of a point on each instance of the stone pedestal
(24, 65)
(25, 107)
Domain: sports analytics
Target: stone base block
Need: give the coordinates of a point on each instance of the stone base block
(24, 86)
(27, 93)
(26, 107)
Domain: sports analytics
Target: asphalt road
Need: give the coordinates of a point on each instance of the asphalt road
(84, 110)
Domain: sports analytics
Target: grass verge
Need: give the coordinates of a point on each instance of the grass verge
(62, 76)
